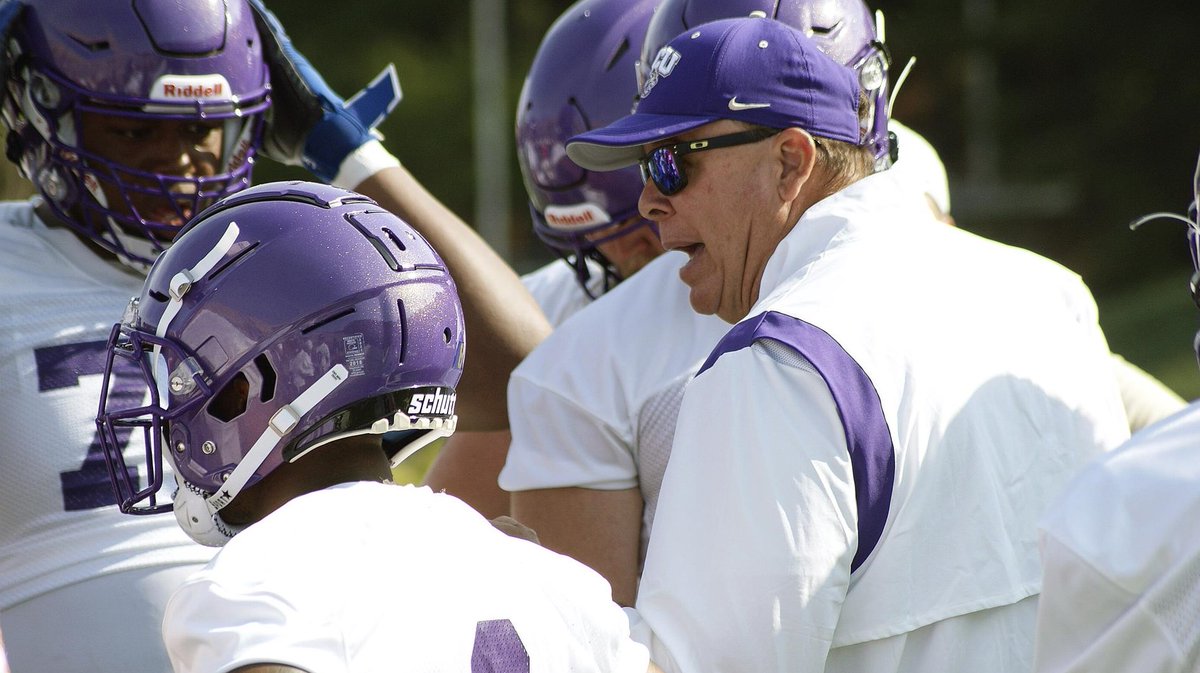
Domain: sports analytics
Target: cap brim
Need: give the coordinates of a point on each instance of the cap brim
(620, 143)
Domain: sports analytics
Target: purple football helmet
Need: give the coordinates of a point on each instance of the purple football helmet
(284, 317)
(582, 78)
(843, 29)
(198, 61)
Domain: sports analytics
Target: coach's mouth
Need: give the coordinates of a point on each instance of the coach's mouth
(692, 272)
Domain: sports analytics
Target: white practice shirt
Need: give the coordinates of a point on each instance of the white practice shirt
(557, 292)
(372, 577)
(594, 405)
(859, 467)
(1121, 550)
(58, 522)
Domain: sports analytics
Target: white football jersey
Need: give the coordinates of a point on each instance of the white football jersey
(58, 522)
(606, 389)
(557, 292)
(1121, 550)
(861, 463)
(373, 577)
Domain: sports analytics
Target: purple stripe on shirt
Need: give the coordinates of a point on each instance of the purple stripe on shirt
(872, 455)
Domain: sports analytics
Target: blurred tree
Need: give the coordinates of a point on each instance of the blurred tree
(1091, 121)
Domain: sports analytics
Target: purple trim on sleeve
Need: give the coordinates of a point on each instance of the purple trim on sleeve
(872, 455)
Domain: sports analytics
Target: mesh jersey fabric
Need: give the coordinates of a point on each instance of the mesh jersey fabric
(58, 522)
(1121, 550)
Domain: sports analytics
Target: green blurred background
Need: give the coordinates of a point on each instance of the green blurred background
(1058, 122)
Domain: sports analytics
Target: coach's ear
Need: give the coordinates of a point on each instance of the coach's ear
(797, 155)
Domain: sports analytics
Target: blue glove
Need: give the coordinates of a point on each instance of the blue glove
(309, 124)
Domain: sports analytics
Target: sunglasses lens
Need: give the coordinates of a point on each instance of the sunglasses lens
(665, 171)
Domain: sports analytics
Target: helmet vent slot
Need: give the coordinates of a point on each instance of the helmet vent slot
(267, 372)
(403, 330)
(231, 401)
(822, 30)
(326, 321)
(232, 260)
(158, 296)
(395, 239)
(621, 49)
(98, 45)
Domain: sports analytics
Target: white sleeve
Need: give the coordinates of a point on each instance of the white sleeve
(1088, 624)
(749, 563)
(558, 442)
(210, 629)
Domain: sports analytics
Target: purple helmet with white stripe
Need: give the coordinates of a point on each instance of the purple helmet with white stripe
(282, 318)
(198, 63)
(843, 29)
(582, 78)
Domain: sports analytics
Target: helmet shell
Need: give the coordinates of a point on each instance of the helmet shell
(315, 277)
(582, 77)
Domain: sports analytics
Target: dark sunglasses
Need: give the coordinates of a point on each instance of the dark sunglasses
(662, 164)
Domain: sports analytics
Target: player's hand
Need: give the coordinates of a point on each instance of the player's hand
(308, 124)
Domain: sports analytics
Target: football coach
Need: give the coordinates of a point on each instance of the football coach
(859, 466)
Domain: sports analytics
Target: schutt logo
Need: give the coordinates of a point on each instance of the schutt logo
(439, 403)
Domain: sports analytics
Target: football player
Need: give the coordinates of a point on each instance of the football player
(1121, 547)
(270, 404)
(582, 77)
(129, 118)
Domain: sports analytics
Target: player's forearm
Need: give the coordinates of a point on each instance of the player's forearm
(503, 321)
(601, 529)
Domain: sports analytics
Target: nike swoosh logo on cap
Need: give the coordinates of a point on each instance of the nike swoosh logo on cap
(735, 105)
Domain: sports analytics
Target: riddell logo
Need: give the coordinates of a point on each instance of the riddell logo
(190, 87)
(193, 91)
(578, 216)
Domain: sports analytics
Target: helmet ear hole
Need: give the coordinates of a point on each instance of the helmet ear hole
(230, 402)
(268, 377)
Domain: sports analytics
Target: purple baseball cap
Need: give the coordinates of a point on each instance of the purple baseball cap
(752, 70)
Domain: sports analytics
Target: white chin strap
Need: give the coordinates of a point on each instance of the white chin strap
(198, 519)
(197, 512)
(181, 283)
